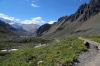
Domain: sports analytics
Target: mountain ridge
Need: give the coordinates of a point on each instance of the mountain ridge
(19, 29)
(70, 25)
(3, 29)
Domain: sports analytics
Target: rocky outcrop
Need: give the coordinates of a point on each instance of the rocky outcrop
(91, 9)
(62, 18)
(87, 10)
(78, 13)
(42, 29)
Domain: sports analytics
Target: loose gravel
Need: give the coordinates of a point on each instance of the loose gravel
(90, 57)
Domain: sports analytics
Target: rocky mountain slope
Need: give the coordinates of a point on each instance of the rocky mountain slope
(17, 31)
(42, 29)
(20, 29)
(3, 29)
(30, 27)
(84, 20)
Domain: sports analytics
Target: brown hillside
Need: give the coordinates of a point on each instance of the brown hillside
(85, 20)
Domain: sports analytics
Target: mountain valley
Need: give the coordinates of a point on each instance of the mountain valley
(71, 41)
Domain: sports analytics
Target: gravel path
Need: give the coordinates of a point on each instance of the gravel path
(91, 42)
(91, 57)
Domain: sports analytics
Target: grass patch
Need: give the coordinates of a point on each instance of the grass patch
(62, 53)
(4, 36)
(94, 38)
(8, 41)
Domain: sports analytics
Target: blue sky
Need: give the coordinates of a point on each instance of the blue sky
(38, 11)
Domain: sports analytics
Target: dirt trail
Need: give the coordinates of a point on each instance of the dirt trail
(91, 42)
(94, 57)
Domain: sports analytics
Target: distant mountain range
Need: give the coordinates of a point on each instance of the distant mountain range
(30, 27)
(19, 29)
(84, 21)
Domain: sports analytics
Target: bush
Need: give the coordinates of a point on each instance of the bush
(62, 53)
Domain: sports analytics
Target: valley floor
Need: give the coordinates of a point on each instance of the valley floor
(61, 53)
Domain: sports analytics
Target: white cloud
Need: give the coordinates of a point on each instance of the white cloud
(17, 19)
(8, 18)
(34, 5)
(36, 20)
(51, 22)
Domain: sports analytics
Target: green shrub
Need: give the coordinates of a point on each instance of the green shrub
(62, 53)
(94, 38)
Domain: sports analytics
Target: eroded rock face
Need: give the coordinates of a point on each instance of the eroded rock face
(86, 10)
(79, 12)
(61, 18)
(91, 9)
(43, 28)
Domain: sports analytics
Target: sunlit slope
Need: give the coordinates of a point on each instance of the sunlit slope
(75, 28)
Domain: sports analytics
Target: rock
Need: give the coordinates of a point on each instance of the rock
(40, 62)
(97, 48)
(87, 45)
(42, 29)
(57, 52)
